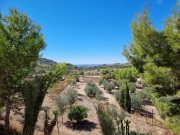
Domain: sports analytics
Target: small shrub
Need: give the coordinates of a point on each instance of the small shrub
(81, 73)
(105, 120)
(76, 77)
(173, 123)
(166, 107)
(101, 81)
(73, 82)
(110, 87)
(62, 103)
(146, 93)
(92, 90)
(105, 84)
(117, 95)
(136, 102)
(78, 113)
(116, 83)
(132, 87)
(71, 95)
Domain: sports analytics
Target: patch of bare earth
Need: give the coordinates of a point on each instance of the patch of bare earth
(91, 125)
(139, 123)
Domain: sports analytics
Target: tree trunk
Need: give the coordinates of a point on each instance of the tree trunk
(48, 127)
(29, 127)
(6, 117)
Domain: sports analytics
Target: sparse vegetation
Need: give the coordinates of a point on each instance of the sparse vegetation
(30, 85)
(105, 120)
(109, 86)
(70, 94)
(146, 94)
(136, 102)
(92, 90)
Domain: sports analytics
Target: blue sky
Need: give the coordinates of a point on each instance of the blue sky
(88, 31)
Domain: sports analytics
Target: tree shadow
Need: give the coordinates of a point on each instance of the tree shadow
(104, 98)
(79, 99)
(84, 125)
(11, 131)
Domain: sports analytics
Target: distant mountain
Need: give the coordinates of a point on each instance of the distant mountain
(47, 61)
(45, 64)
(88, 65)
(115, 65)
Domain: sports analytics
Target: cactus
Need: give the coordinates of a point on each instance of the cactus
(127, 122)
(122, 128)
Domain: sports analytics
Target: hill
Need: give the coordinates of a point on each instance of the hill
(93, 66)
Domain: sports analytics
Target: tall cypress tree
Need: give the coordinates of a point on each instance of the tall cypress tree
(127, 99)
(122, 98)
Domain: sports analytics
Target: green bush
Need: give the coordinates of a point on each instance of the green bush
(168, 110)
(166, 107)
(78, 113)
(70, 94)
(62, 103)
(129, 74)
(116, 83)
(92, 90)
(101, 81)
(146, 93)
(173, 123)
(105, 120)
(72, 81)
(132, 87)
(76, 77)
(117, 95)
(110, 87)
(105, 84)
(136, 101)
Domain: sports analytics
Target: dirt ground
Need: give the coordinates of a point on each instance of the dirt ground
(91, 125)
(138, 123)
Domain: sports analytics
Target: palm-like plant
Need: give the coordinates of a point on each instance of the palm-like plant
(34, 94)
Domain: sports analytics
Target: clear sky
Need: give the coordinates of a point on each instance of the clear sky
(88, 31)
